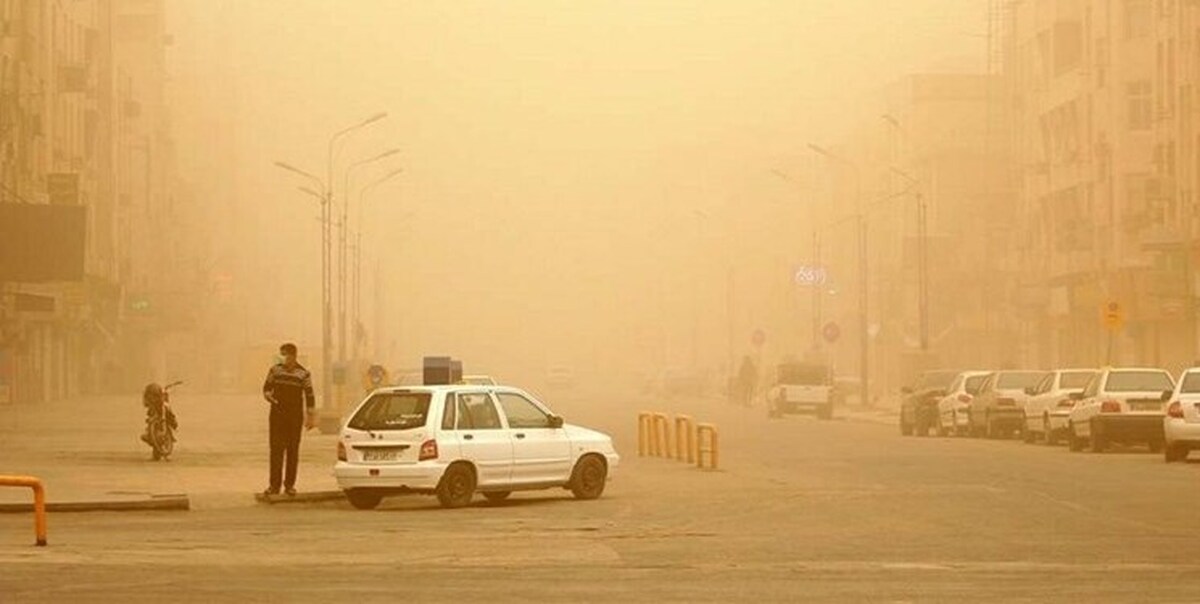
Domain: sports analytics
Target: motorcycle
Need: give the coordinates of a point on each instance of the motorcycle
(161, 424)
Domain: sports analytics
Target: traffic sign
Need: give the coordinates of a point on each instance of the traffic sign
(809, 276)
(758, 338)
(1113, 316)
(831, 332)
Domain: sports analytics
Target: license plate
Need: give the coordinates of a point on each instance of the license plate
(1155, 406)
(379, 455)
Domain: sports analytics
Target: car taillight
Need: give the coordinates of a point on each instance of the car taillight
(428, 450)
(1066, 403)
(964, 398)
(1175, 410)
(341, 451)
(1110, 407)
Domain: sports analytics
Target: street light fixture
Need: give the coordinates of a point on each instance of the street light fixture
(864, 335)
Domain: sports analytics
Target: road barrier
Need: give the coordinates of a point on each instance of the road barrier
(39, 502)
(712, 447)
(685, 438)
(662, 436)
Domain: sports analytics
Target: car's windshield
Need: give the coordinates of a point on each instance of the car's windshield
(974, 383)
(936, 379)
(803, 375)
(1138, 381)
(1191, 382)
(392, 411)
(1076, 379)
(1017, 380)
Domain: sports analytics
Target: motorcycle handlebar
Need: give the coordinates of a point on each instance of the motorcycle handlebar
(172, 385)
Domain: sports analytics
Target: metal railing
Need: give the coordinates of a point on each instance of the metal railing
(39, 502)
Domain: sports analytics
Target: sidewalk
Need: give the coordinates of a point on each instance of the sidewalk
(88, 450)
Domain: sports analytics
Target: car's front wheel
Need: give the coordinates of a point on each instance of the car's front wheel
(589, 477)
(1074, 441)
(364, 499)
(1048, 435)
(497, 496)
(457, 486)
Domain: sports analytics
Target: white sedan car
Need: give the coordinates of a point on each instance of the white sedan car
(1121, 405)
(1050, 403)
(954, 407)
(455, 441)
(1181, 425)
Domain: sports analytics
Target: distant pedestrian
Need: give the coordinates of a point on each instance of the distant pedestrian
(747, 381)
(289, 390)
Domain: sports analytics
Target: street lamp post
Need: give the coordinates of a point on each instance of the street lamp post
(817, 286)
(357, 294)
(327, 260)
(922, 243)
(864, 335)
(343, 256)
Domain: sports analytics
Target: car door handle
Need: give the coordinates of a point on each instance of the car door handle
(468, 437)
(519, 435)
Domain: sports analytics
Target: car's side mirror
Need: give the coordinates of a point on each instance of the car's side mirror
(1166, 395)
(556, 421)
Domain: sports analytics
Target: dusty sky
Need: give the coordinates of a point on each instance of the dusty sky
(574, 171)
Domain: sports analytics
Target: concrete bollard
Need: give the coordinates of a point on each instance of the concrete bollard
(712, 446)
(685, 438)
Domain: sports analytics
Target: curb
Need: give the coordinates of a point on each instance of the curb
(309, 497)
(160, 503)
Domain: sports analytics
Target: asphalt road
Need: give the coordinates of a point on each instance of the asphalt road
(801, 511)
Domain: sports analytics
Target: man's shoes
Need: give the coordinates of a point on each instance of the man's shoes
(291, 492)
(271, 491)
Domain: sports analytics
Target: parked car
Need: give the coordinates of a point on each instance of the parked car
(454, 441)
(1123, 405)
(1181, 425)
(802, 388)
(953, 407)
(918, 407)
(1050, 403)
(998, 409)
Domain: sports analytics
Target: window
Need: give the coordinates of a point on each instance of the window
(975, 384)
(476, 412)
(1138, 18)
(392, 411)
(1019, 380)
(1138, 381)
(1191, 382)
(956, 385)
(448, 414)
(1140, 97)
(1075, 379)
(522, 413)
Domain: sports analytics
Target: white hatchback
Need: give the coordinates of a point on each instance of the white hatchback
(455, 441)
(1181, 425)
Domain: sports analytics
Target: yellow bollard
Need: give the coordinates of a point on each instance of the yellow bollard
(662, 431)
(39, 502)
(645, 425)
(713, 446)
(685, 438)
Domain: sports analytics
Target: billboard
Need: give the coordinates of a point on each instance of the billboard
(41, 243)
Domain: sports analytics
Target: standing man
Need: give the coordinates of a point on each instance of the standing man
(289, 391)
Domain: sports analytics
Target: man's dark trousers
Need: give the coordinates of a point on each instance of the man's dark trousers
(286, 427)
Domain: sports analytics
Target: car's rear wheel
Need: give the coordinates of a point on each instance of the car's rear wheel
(825, 412)
(457, 486)
(497, 496)
(364, 499)
(1074, 442)
(941, 427)
(589, 477)
(1048, 435)
(1099, 441)
(1175, 452)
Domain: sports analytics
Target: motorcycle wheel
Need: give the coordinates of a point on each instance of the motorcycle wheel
(163, 439)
